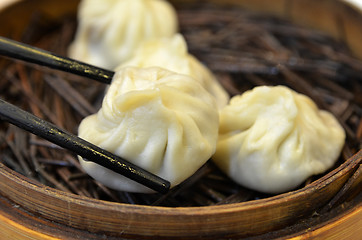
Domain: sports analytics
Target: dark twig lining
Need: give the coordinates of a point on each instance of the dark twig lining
(242, 49)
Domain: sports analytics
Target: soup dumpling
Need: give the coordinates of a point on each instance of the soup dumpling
(159, 120)
(271, 139)
(109, 31)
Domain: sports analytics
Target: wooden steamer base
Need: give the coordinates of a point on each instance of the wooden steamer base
(29, 210)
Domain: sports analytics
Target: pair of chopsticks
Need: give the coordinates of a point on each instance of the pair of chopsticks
(52, 133)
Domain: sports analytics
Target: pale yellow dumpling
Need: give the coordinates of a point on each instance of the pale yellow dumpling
(159, 120)
(172, 54)
(271, 139)
(109, 31)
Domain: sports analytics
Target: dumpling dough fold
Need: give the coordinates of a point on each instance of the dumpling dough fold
(271, 139)
(172, 54)
(159, 120)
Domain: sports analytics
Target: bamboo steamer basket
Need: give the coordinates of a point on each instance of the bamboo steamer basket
(29, 210)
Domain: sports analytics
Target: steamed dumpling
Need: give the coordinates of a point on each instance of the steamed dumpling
(271, 139)
(159, 120)
(110, 30)
(172, 54)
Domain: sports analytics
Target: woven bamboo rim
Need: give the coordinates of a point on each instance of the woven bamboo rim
(52, 214)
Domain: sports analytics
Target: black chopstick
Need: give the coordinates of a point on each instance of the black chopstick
(88, 151)
(21, 51)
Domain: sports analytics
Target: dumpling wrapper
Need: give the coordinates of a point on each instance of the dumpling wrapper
(109, 31)
(271, 139)
(159, 120)
(172, 54)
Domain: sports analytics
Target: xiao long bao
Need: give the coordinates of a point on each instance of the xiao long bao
(159, 120)
(110, 30)
(271, 139)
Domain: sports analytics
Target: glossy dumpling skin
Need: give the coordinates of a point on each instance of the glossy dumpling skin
(172, 54)
(161, 121)
(109, 31)
(271, 139)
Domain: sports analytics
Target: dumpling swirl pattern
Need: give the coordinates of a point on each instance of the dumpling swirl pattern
(172, 54)
(271, 139)
(159, 120)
